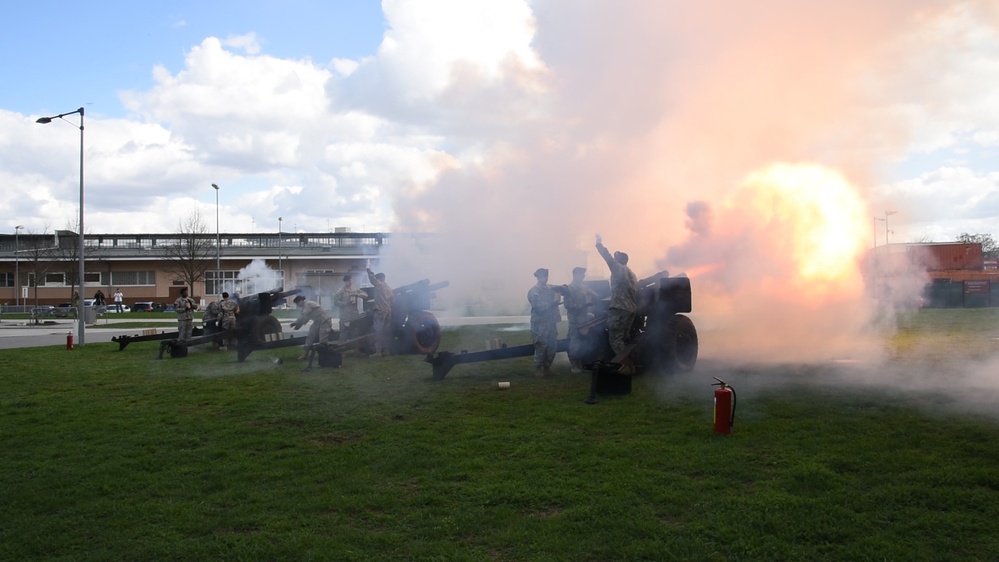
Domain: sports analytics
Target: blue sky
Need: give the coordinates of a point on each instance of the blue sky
(96, 49)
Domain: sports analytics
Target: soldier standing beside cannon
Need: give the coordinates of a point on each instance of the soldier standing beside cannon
(228, 309)
(545, 316)
(210, 321)
(623, 304)
(383, 312)
(185, 307)
(321, 327)
(346, 300)
(577, 299)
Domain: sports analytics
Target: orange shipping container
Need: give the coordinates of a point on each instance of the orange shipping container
(946, 256)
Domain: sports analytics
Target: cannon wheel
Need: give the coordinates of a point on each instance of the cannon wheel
(678, 353)
(424, 332)
(263, 325)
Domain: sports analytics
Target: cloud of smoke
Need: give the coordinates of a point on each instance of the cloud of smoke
(255, 278)
(732, 142)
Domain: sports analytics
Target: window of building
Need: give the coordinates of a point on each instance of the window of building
(124, 278)
(6, 279)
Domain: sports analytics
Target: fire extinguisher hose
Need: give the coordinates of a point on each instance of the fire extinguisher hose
(735, 401)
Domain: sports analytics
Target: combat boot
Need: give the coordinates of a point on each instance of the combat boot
(539, 371)
(626, 368)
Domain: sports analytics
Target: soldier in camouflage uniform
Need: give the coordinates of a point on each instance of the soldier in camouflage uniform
(185, 307)
(545, 316)
(346, 300)
(228, 310)
(383, 312)
(578, 298)
(623, 304)
(322, 325)
(209, 321)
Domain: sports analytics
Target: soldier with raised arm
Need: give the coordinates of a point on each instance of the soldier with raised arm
(623, 304)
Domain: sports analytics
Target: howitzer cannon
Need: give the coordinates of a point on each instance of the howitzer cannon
(662, 338)
(413, 328)
(254, 329)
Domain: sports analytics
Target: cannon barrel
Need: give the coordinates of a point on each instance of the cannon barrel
(260, 304)
(444, 361)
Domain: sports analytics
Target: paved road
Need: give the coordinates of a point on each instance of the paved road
(20, 333)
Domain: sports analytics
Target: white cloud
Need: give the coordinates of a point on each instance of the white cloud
(494, 116)
(248, 43)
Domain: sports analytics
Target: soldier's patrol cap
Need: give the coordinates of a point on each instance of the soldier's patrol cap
(298, 298)
(541, 272)
(578, 270)
(346, 278)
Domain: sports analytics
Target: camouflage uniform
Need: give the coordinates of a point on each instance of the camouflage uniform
(228, 309)
(185, 307)
(578, 300)
(383, 313)
(621, 313)
(346, 300)
(209, 320)
(322, 325)
(544, 317)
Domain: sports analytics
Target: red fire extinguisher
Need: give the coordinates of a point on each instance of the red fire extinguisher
(69, 341)
(724, 407)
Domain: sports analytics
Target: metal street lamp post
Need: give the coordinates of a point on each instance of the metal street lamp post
(82, 321)
(17, 266)
(218, 246)
(280, 251)
(875, 257)
(888, 214)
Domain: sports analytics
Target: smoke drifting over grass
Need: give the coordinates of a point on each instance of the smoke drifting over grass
(735, 142)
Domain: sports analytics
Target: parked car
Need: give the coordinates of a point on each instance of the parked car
(111, 308)
(144, 306)
(42, 310)
(64, 310)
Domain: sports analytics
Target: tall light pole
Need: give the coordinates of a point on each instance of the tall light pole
(875, 256)
(17, 266)
(218, 246)
(82, 321)
(280, 251)
(888, 214)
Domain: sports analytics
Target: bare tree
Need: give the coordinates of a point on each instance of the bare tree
(66, 252)
(191, 256)
(36, 249)
(990, 249)
(64, 255)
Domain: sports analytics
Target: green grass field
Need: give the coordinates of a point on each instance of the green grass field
(113, 455)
